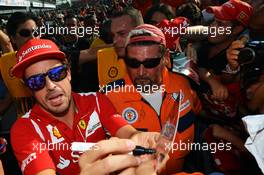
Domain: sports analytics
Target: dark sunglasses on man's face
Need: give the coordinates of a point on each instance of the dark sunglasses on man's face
(28, 33)
(38, 81)
(149, 63)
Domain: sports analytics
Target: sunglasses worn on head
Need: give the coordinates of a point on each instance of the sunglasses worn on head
(38, 81)
(28, 32)
(149, 63)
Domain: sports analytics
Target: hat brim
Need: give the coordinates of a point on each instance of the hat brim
(18, 69)
(218, 13)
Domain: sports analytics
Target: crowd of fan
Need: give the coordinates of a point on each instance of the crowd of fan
(228, 89)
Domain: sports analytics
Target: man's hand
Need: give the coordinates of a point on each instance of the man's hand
(233, 51)
(191, 53)
(146, 139)
(91, 53)
(109, 156)
(149, 140)
(1, 168)
(146, 168)
(219, 91)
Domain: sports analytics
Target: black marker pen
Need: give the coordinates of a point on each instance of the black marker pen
(140, 150)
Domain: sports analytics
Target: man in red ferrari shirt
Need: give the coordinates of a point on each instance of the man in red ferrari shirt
(42, 138)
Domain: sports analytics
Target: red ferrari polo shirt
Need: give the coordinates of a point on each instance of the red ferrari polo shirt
(41, 142)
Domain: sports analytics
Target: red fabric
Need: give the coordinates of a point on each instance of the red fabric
(173, 3)
(171, 30)
(142, 5)
(232, 10)
(95, 113)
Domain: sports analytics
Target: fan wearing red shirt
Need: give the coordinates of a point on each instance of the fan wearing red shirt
(42, 138)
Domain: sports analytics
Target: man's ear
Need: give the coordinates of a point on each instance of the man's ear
(13, 42)
(166, 59)
(237, 29)
(12, 39)
(69, 73)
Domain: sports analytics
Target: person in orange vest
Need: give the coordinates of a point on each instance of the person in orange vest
(110, 64)
(147, 93)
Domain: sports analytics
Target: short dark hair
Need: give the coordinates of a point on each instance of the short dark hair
(191, 11)
(133, 13)
(16, 19)
(162, 8)
(105, 32)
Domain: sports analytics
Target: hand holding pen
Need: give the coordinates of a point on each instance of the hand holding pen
(111, 156)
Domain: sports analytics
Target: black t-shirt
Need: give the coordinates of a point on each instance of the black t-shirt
(81, 44)
(85, 76)
(216, 63)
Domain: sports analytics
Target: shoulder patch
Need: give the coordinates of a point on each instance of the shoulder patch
(177, 96)
(130, 115)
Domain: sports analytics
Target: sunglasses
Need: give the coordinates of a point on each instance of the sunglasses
(28, 33)
(38, 81)
(149, 63)
(3, 144)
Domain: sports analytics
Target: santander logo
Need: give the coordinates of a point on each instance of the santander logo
(31, 49)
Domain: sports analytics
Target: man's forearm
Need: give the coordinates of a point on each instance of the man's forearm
(205, 75)
(91, 53)
(126, 132)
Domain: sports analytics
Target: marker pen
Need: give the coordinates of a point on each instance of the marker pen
(84, 146)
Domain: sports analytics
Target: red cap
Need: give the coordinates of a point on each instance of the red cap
(33, 51)
(176, 25)
(232, 10)
(156, 34)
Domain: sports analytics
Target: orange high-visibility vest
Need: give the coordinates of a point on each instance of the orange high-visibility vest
(140, 114)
